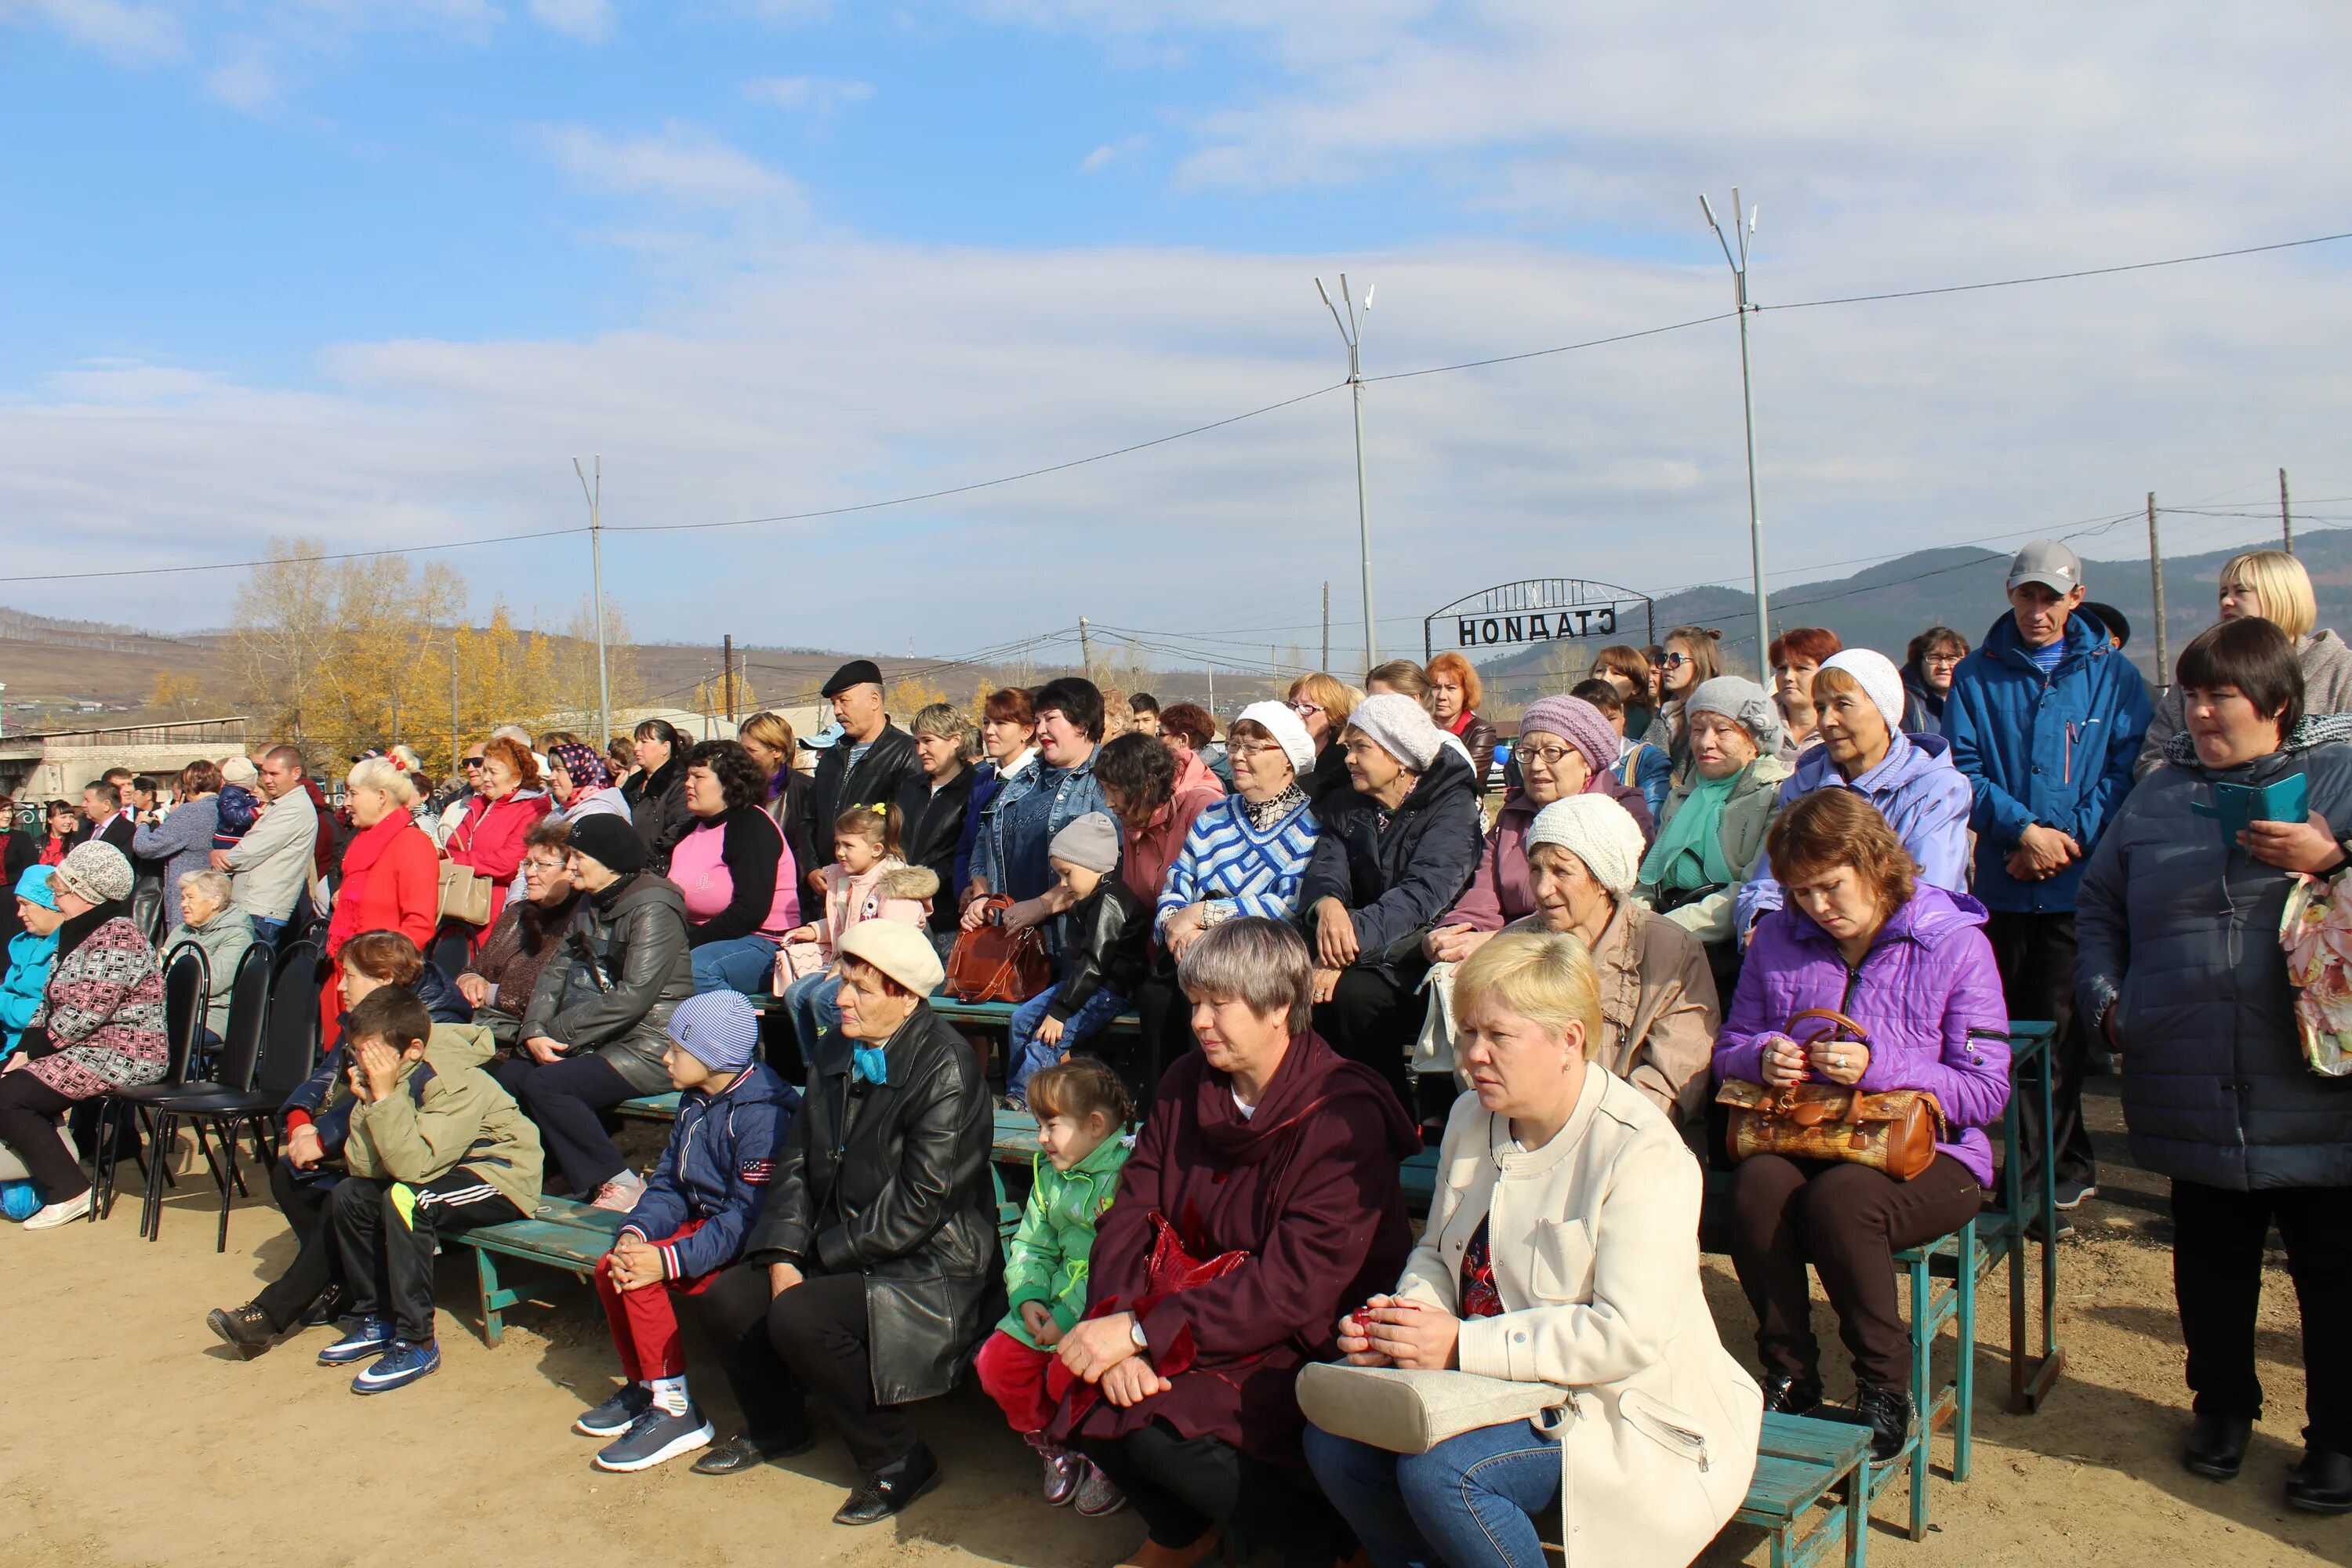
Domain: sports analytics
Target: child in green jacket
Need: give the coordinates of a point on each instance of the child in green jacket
(1083, 1112)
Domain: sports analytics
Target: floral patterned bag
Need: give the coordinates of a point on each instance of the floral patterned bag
(2316, 933)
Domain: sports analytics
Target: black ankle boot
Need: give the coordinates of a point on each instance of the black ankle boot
(1889, 1415)
(2216, 1444)
(1792, 1396)
(2322, 1483)
(892, 1490)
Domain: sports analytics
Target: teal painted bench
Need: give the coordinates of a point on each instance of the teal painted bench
(561, 1235)
(649, 1108)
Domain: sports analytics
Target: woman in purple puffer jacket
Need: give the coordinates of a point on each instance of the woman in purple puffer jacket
(1909, 964)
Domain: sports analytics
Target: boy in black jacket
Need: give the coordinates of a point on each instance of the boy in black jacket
(1104, 936)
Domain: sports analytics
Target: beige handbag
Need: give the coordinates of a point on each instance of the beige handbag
(464, 895)
(1412, 1411)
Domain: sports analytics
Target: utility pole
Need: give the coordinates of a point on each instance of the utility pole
(596, 563)
(454, 768)
(1747, 406)
(1352, 332)
(1327, 626)
(2156, 576)
(1085, 648)
(727, 652)
(2286, 515)
(1212, 688)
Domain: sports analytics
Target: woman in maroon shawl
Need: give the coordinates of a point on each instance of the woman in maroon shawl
(1271, 1161)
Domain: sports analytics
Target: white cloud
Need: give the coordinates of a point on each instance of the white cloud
(589, 21)
(816, 96)
(1126, 150)
(681, 164)
(245, 82)
(128, 34)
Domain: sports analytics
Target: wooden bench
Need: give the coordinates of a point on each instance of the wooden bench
(561, 1235)
(649, 1108)
(1800, 1464)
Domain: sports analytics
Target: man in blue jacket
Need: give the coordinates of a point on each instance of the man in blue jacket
(2045, 719)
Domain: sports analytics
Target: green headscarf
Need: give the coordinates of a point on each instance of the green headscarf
(1688, 854)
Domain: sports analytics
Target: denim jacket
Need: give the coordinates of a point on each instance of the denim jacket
(1011, 850)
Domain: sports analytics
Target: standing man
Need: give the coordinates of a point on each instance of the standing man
(2045, 719)
(146, 876)
(270, 868)
(104, 817)
(1146, 708)
(865, 767)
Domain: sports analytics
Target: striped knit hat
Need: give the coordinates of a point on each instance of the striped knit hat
(718, 1028)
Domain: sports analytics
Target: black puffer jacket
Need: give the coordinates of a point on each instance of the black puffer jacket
(657, 811)
(2179, 932)
(1328, 783)
(891, 1180)
(888, 764)
(933, 826)
(616, 977)
(1395, 881)
(1105, 937)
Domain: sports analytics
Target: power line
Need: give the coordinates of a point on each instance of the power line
(2057, 277)
(290, 559)
(1562, 348)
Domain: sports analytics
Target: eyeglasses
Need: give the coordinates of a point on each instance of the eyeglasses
(1550, 756)
(1675, 660)
(1304, 709)
(1242, 751)
(1943, 658)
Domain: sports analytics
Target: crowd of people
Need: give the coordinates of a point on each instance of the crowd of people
(1336, 954)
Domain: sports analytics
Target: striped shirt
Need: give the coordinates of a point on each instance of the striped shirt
(1226, 861)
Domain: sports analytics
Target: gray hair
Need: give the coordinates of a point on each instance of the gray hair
(212, 885)
(378, 772)
(514, 732)
(949, 723)
(1259, 963)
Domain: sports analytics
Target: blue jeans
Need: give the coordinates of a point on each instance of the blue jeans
(266, 931)
(1466, 1503)
(1028, 1053)
(808, 1001)
(745, 963)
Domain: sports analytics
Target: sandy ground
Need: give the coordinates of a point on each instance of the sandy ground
(134, 1436)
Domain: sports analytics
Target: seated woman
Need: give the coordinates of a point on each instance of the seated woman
(1392, 856)
(1008, 744)
(221, 932)
(931, 807)
(99, 1026)
(31, 951)
(1268, 1152)
(596, 1028)
(866, 1279)
(184, 840)
(498, 984)
(1323, 703)
(580, 783)
(1140, 786)
(1908, 779)
(1910, 964)
(742, 890)
(1639, 765)
(1712, 835)
(1562, 1248)
(656, 792)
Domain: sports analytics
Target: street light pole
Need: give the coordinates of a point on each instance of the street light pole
(1739, 264)
(596, 561)
(1352, 332)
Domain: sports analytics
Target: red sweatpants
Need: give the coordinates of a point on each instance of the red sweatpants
(644, 1323)
(1026, 1384)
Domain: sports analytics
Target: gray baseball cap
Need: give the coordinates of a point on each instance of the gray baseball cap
(2048, 563)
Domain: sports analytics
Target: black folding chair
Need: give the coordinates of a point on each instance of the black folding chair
(187, 987)
(205, 1101)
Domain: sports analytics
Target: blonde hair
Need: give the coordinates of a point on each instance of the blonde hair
(1544, 977)
(772, 731)
(2284, 586)
(380, 772)
(1335, 697)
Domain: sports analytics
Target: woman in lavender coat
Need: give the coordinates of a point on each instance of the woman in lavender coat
(1910, 964)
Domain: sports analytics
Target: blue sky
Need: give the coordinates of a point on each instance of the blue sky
(372, 271)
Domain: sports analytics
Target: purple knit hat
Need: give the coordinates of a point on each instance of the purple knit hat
(1578, 722)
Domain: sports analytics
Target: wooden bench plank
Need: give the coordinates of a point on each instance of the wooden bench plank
(650, 1107)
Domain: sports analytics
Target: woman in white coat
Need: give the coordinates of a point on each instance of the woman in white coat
(1562, 1248)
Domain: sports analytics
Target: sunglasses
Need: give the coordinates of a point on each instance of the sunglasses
(469, 762)
(1675, 660)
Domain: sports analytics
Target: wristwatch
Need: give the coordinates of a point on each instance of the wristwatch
(1135, 1331)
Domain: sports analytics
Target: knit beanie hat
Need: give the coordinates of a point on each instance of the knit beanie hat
(1578, 722)
(1743, 703)
(717, 1028)
(1598, 832)
(610, 841)
(1090, 842)
(1876, 674)
(34, 887)
(239, 771)
(95, 870)
(901, 951)
(1288, 730)
(1399, 726)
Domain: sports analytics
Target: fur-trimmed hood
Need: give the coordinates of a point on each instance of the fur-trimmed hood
(908, 883)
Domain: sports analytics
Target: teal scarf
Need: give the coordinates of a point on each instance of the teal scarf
(1688, 854)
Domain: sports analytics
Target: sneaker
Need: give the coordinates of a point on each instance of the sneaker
(613, 1416)
(2070, 1194)
(657, 1436)
(247, 1328)
(621, 1193)
(365, 1337)
(399, 1366)
(1098, 1495)
(1063, 1471)
(51, 1215)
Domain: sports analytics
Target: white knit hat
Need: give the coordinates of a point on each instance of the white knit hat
(1598, 832)
(1399, 726)
(95, 870)
(1287, 730)
(1876, 674)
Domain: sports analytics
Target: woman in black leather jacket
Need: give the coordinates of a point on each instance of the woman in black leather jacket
(867, 1280)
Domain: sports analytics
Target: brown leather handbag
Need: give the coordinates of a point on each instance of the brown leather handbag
(991, 962)
(1894, 1131)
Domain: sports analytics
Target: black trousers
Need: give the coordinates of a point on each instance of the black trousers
(1181, 1486)
(567, 1100)
(2036, 955)
(1371, 1021)
(811, 1340)
(387, 1256)
(316, 1263)
(1848, 1221)
(29, 1111)
(2217, 1278)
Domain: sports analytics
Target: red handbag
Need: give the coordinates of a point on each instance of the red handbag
(991, 962)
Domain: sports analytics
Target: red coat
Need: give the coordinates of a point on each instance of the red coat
(489, 838)
(1307, 1186)
(391, 881)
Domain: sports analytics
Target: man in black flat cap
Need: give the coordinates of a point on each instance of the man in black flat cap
(865, 767)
